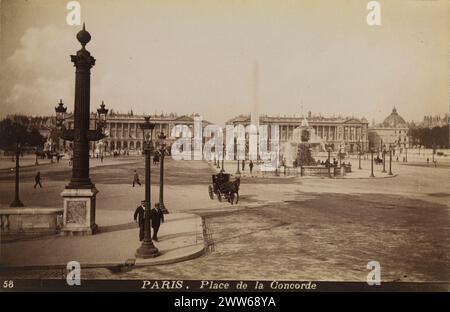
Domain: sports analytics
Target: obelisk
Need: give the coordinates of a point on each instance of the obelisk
(254, 115)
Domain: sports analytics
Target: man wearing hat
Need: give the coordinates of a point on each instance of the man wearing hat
(139, 217)
(157, 217)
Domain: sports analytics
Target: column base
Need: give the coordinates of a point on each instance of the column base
(147, 250)
(81, 231)
(16, 203)
(79, 212)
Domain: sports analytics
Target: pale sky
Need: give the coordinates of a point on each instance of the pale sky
(197, 56)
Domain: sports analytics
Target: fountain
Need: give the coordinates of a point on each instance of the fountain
(298, 151)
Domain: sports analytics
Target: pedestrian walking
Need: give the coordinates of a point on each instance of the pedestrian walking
(37, 180)
(139, 218)
(243, 164)
(136, 178)
(157, 217)
(251, 166)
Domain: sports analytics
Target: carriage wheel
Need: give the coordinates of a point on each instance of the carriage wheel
(231, 198)
(236, 197)
(219, 196)
(210, 192)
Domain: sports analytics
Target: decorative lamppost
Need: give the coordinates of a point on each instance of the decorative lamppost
(381, 147)
(16, 202)
(223, 158)
(217, 158)
(434, 151)
(329, 161)
(359, 154)
(390, 160)
(213, 155)
(162, 151)
(328, 147)
(340, 156)
(147, 249)
(80, 194)
(406, 153)
(371, 167)
(384, 158)
(238, 171)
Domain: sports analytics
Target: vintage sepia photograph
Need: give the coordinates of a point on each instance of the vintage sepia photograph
(212, 145)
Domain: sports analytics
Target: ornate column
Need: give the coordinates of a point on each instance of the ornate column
(80, 194)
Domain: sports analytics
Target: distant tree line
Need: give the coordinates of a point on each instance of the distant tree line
(18, 130)
(437, 137)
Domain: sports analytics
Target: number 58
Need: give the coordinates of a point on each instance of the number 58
(8, 284)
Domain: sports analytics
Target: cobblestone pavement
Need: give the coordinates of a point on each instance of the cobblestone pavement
(295, 229)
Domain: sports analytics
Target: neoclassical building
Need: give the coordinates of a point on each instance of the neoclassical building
(393, 131)
(124, 133)
(348, 133)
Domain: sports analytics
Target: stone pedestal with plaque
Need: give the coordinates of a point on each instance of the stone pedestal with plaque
(79, 212)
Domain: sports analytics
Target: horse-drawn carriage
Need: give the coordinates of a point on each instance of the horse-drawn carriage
(223, 188)
(378, 160)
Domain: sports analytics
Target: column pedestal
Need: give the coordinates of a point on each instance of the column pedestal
(79, 211)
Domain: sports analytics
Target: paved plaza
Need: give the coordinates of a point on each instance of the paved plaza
(284, 227)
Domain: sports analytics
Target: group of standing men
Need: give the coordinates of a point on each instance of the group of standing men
(156, 218)
(156, 214)
(250, 165)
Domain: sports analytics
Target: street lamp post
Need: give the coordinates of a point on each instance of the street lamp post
(147, 249)
(359, 154)
(217, 159)
(329, 161)
(223, 158)
(384, 158)
(406, 153)
(434, 151)
(339, 155)
(390, 160)
(16, 202)
(328, 147)
(162, 150)
(371, 167)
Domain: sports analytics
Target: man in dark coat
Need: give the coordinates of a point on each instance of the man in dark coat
(139, 217)
(136, 178)
(37, 180)
(157, 217)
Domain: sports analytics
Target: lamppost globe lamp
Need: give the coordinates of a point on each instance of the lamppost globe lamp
(147, 131)
(60, 111)
(162, 139)
(102, 112)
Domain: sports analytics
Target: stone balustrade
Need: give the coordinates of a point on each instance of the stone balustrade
(30, 220)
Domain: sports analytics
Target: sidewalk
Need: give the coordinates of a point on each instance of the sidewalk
(181, 238)
(26, 161)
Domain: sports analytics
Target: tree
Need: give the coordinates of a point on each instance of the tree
(430, 137)
(13, 132)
